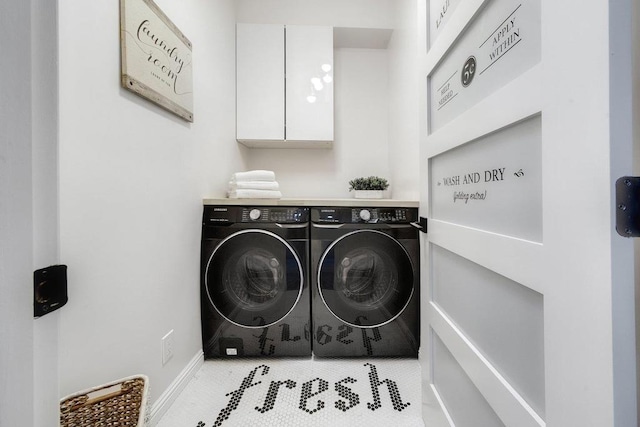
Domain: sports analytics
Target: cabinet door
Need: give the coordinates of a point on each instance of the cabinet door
(260, 82)
(309, 88)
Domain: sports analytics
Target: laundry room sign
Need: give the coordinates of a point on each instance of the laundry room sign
(501, 44)
(493, 183)
(156, 58)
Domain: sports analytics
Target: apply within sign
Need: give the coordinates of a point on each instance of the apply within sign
(156, 57)
(502, 43)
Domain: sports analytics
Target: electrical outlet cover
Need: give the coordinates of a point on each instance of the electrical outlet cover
(167, 347)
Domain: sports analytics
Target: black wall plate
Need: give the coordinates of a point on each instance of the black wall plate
(628, 206)
(49, 289)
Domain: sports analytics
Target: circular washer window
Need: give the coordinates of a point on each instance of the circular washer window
(365, 278)
(254, 278)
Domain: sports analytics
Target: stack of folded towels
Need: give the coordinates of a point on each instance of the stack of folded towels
(255, 184)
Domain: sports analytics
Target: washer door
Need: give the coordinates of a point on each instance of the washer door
(365, 278)
(254, 278)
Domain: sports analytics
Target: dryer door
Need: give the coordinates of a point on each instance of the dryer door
(254, 278)
(365, 278)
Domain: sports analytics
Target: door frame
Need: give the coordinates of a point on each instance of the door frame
(28, 210)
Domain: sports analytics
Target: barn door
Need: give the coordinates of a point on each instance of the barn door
(528, 310)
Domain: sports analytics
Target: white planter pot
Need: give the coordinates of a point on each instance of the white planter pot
(368, 194)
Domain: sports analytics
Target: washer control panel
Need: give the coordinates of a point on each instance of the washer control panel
(369, 215)
(381, 215)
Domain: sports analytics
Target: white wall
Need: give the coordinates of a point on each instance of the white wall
(337, 13)
(132, 179)
(363, 142)
(404, 101)
(16, 210)
(361, 137)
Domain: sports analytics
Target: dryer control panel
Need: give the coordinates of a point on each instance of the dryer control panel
(372, 215)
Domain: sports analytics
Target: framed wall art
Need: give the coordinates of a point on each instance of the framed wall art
(156, 58)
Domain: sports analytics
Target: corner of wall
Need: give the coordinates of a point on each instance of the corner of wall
(171, 393)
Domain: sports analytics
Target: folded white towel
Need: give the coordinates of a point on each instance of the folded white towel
(254, 175)
(254, 185)
(254, 194)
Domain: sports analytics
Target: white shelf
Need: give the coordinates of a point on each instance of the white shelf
(314, 202)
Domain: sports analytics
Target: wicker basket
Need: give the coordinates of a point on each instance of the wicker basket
(122, 403)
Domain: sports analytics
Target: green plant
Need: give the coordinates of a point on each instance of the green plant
(369, 183)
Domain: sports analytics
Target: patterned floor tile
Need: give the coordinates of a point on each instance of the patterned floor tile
(294, 392)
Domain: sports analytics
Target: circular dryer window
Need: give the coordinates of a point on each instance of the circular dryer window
(254, 278)
(365, 278)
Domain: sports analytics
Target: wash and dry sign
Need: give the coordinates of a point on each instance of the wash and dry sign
(156, 57)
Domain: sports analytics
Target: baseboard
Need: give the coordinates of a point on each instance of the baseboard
(161, 406)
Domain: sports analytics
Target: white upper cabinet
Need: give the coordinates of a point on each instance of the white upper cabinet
(260, 82)
(284, 85)
(309, 98)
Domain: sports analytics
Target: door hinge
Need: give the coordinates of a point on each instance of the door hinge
(421, 224)
(628, 206)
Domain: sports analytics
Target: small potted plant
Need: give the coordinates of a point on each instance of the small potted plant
(368, 188)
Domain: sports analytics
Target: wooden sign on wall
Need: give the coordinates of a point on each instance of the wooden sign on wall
(156, 57)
